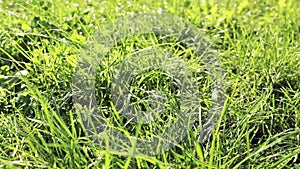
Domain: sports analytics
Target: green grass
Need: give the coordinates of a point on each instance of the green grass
(256, 42)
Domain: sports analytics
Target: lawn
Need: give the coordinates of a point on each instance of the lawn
(233, 63)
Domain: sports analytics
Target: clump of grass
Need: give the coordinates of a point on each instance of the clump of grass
(257, 43)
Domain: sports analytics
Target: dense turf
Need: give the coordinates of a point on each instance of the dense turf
(256, 41)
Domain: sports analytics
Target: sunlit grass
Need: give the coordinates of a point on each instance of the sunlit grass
(257, 43)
